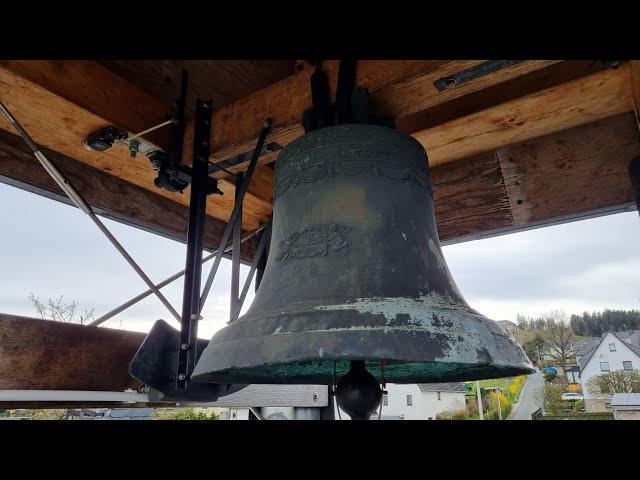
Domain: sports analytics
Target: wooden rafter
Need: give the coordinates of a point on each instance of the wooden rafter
(466, 126)
(61, 103)
(397, 88)
(46, 355)
(110, 196)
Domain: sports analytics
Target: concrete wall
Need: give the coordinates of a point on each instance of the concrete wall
(593, 405)
(626, 414)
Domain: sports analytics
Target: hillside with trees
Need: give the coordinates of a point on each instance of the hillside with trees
(587, 324)
(556, 334)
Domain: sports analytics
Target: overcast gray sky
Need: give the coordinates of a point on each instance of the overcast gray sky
(52, 249)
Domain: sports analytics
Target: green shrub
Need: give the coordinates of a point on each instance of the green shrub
(460, 415)
(446, 415)
(186, 414)
(549, 376)
(552, 396)
(492, 413)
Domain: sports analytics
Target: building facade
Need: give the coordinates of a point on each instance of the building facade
(611, 354)
(422, 401)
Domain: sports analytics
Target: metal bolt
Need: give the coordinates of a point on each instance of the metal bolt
(184, 346)
(134, 146)
(267, 123)
(450, 82)
(182, 376)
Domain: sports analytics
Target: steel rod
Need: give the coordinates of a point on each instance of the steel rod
(260, 251)
(166, 282)
(82, 205)
(235, 212)
(235, 258)
(155, 127)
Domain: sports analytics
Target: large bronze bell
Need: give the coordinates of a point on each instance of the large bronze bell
(355, 273)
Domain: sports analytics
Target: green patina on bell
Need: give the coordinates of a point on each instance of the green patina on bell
(355, 272)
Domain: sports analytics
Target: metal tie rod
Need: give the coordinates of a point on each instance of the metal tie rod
(266, 126)
(254, 265)
(82, 205)
(164, 283)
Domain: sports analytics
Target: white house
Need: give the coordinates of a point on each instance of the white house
(419, 401)
(402, 402)
(612, 353)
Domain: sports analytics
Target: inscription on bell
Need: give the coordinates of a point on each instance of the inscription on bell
(349, 160)
(315, 241)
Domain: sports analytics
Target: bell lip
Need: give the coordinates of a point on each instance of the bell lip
(481, 350)
(249, 375)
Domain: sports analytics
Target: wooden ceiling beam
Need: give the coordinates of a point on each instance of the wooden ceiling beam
(397, 87)
(500, 109)
(110, 196)
(46, 355)
(61, 102)
(635, 87)
(565, 176)
(577, 102)
(572, 172)
(517, 104)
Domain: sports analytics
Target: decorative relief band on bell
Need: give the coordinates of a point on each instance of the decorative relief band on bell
(315, 241)
(348, 160)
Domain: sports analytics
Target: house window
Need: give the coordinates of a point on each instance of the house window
(612, 347)
(409, 400)
(627, 365)
(604, 366)
(385, 399)
(439, 396)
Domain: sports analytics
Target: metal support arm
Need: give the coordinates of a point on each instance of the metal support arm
(195, 239)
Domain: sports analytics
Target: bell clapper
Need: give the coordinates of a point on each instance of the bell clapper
(358, 393)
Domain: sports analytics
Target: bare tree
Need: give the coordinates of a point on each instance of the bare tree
(56, 309)
(560, 338)
(618, 381)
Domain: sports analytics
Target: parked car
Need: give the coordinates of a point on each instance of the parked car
(572, 396)
(553, 370)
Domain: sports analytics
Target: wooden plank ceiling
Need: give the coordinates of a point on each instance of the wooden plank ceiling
(533, 143)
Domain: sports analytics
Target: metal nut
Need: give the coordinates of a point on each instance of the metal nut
(184, 346)
(182, 376)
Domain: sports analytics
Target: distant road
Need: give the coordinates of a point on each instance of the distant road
(529, 401)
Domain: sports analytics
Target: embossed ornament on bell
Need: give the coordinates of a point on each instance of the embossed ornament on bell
(355, 272)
